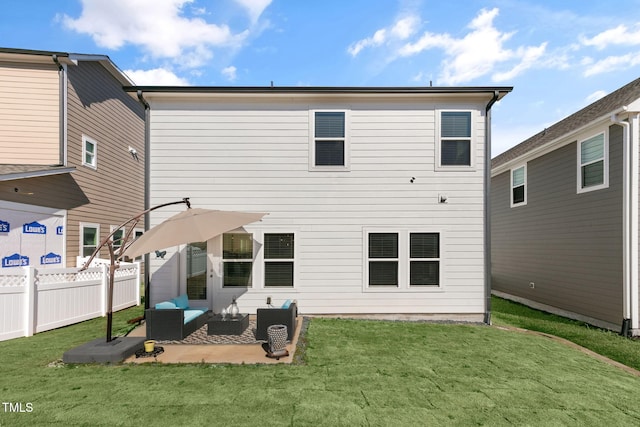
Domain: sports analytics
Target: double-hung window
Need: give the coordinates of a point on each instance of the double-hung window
(383, 259)
(279, 259)
(519, 186)
(89, 152)
(329, 140)
(237, 259)
(455, 139)
(424, 259)
(90, 234)
(593, 165)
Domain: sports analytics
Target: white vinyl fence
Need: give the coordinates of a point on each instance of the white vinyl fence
(39, 299)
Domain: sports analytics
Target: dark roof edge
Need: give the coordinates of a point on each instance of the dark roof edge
(32, 52)
(319, 89)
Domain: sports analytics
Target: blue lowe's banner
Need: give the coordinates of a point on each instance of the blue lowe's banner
(5, 227)
(34, 228)
(50, 258)
(15, 260)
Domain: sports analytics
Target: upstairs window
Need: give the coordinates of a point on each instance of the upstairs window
(237, 258)
(518, 186)
(455, 138)
(593, 164)
(89, 152)
(329, 140)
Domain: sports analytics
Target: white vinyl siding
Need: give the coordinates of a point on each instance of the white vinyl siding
(30, 111)
(593, 163)
(519, 186)
(254, 156)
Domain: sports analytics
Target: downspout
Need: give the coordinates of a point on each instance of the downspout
(62, 109)
(629, 222)
(487, 207)
(147, 161)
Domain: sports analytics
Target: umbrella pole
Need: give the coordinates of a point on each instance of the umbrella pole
(112, 273)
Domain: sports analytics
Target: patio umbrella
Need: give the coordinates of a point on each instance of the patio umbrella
(192, 225)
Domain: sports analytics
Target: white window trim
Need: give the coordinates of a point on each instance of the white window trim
(404, 262)
(82, 226)
(472, 145)
(86, 139)
(605, 183)
(312, 141)
(260, 260)
(524, 202)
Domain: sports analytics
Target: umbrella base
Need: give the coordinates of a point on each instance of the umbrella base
(101, 351)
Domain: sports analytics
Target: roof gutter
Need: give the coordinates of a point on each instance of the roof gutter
(487, 207)
(630, 168)
(62, 107)
(147, 179)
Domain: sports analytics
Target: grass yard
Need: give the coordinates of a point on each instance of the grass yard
(356, 373)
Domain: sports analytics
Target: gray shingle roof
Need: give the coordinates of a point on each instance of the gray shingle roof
(609, 104)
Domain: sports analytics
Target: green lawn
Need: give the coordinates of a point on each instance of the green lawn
(369, 373)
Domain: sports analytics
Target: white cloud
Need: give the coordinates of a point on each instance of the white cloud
(254, 7)
(611, 63)
(530, 57)
(155, 77)
(159, 27)
(230, 73)
(620, 35)
(478, 53)
(402, 29)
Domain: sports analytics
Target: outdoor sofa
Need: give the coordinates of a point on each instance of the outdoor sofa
(174, 320)
(286, 315)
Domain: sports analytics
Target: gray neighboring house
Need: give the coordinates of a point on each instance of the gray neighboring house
(565, 215)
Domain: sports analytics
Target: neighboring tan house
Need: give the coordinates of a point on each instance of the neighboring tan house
(565, 215)
(71, 156)
(376, 197)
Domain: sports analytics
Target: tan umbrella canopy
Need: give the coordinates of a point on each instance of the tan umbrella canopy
(192, 225)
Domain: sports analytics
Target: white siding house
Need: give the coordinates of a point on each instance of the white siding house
(376, 196)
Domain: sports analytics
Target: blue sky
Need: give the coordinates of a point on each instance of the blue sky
(559, 55)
